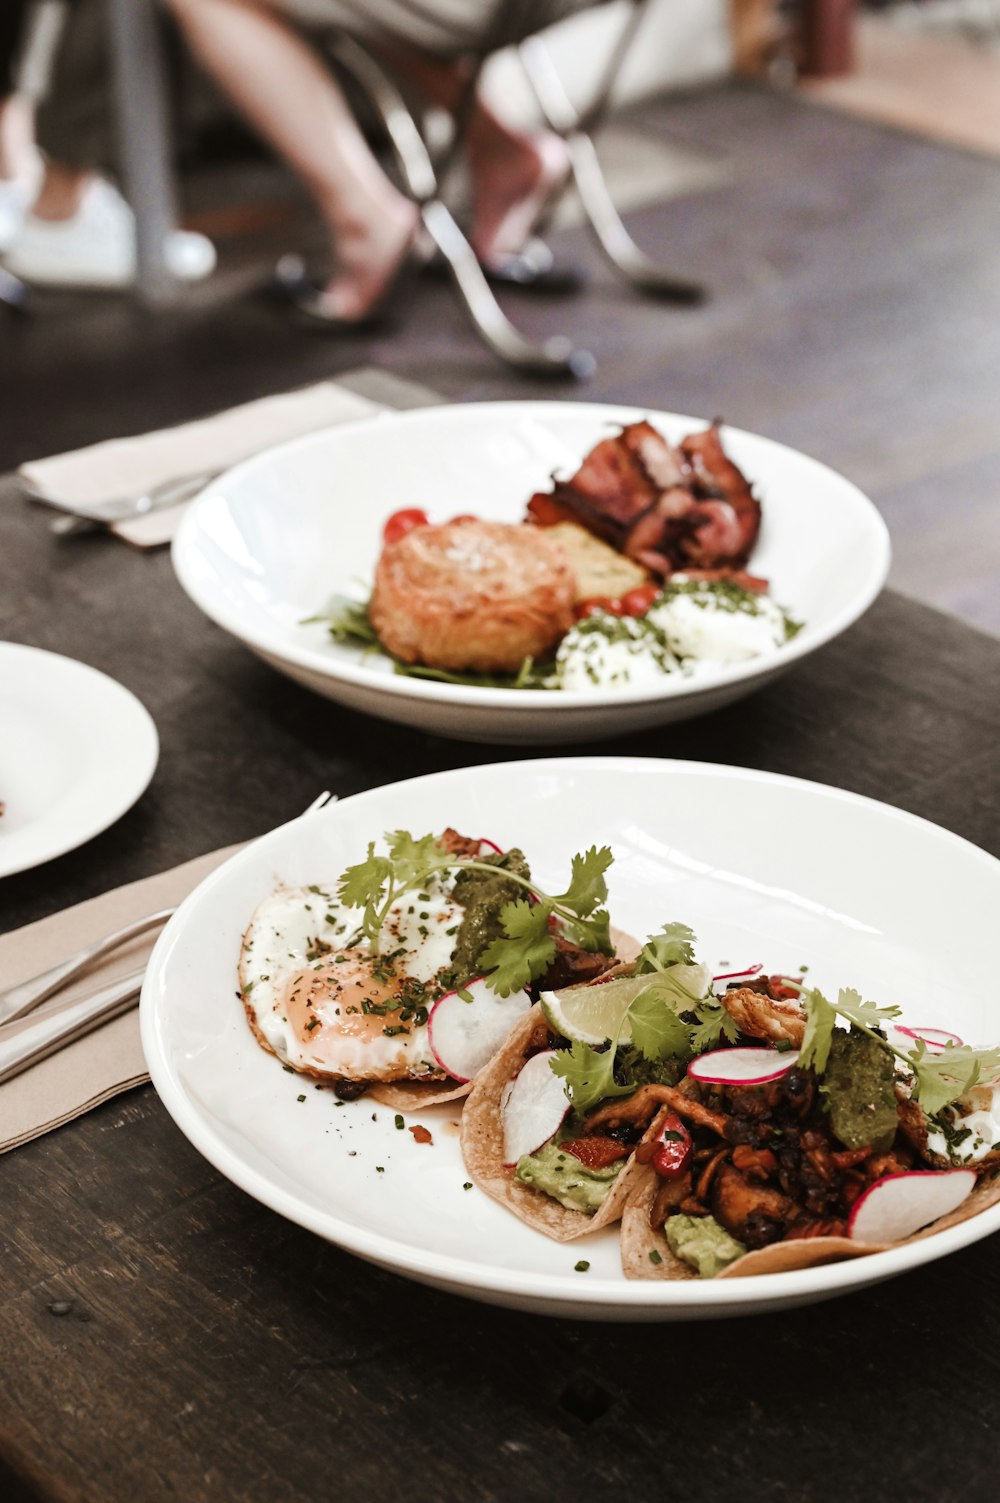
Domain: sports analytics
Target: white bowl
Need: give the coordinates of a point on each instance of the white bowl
(269, 543)
(864, 895)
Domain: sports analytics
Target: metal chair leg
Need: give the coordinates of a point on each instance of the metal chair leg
(612, 236)
(556, 357)
(13, 294)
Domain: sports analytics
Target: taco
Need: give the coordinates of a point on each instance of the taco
(851, 1144)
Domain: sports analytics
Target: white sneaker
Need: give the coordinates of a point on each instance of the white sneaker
(96, 248)
(17, 194)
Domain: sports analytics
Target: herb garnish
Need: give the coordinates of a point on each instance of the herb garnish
(939, 1078)
(527, 948)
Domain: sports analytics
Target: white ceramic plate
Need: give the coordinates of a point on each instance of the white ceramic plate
(76, 751)
(763, 867)
(269, 544)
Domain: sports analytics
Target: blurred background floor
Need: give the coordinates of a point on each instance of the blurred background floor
(855, 313)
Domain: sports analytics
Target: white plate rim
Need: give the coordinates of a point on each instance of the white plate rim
(466, 1276)
(314, 660)
(135, 771)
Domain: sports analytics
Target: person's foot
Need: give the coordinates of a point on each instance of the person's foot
(95, 246)
(369, 254)
(513, 178)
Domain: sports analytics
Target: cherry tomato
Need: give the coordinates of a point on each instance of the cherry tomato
(598, 603)
(673, 1148)
(402, 522)
(596, 1152)
(637, 602)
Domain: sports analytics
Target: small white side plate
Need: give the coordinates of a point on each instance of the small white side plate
(76, 751)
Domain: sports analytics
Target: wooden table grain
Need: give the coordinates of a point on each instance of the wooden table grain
(163, 1337)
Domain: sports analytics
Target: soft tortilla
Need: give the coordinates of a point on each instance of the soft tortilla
(482, 1150)
(638, 1239)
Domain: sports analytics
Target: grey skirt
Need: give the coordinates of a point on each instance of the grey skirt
(443, 28)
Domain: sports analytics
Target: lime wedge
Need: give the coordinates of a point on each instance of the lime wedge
(598, 1012)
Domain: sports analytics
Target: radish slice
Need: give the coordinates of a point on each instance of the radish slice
(533, 1107)
(489, 848)
(934, 1038)
(742, 1066)
(754, 970)
(464, 1035)
(900, 1204)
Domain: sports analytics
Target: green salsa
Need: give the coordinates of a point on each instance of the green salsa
(858, 1088)
(701, 1242)
(484, 896)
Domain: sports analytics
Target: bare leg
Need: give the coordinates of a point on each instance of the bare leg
(288, 94)
(17, 135)
(513, 172)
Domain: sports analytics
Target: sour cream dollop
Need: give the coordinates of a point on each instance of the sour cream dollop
(692, 626)
(981, 1122)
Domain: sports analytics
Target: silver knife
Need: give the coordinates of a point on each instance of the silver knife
(24, 1044)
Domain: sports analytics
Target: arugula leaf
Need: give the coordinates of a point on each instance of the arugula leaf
(715, 1024)
(348, 621)
(587, 887)
(657, 1032)
(821, 1015)
(527, 951)
(674, 945)
(945, 1075)
(589, 1075)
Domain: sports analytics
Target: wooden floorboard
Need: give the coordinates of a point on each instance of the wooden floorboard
(855, 313)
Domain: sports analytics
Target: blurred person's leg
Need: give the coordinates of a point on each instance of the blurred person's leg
(80, 231)
(287, 92)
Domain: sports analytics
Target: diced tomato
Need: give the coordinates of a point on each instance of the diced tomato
(584, 608)
(596, 1152)
(637, 602)
(780, 992)
(673, 1148)
(402, 522)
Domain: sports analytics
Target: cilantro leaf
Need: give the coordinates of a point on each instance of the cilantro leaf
(674, 945)
(657, 1032)
(587, 887)
(945, 1075)
(363, 884)
(715, 1024)
(589, 1075)
(864, 1014)
(413, 860)
(821, 1015)
(527, 950)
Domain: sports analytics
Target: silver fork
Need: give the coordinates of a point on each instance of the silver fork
(60, 1026)
(79, 514)
(18, 1000)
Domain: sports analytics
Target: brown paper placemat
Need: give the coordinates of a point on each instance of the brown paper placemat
(109, 1060)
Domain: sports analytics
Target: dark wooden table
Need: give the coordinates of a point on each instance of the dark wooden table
(164, 1337)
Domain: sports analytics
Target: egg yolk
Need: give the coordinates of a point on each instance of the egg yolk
(340, 997)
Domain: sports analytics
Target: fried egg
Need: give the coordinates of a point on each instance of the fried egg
(325, 1003)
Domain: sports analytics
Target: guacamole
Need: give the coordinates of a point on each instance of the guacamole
(562, 1176)
(702, 1242)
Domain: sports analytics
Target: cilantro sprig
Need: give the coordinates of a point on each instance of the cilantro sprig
(526, 948)
(939, 1077)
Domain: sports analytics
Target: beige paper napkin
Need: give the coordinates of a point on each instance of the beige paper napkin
(109, 1060)
(122, 465)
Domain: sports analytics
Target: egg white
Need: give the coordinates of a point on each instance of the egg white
(320, 999)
